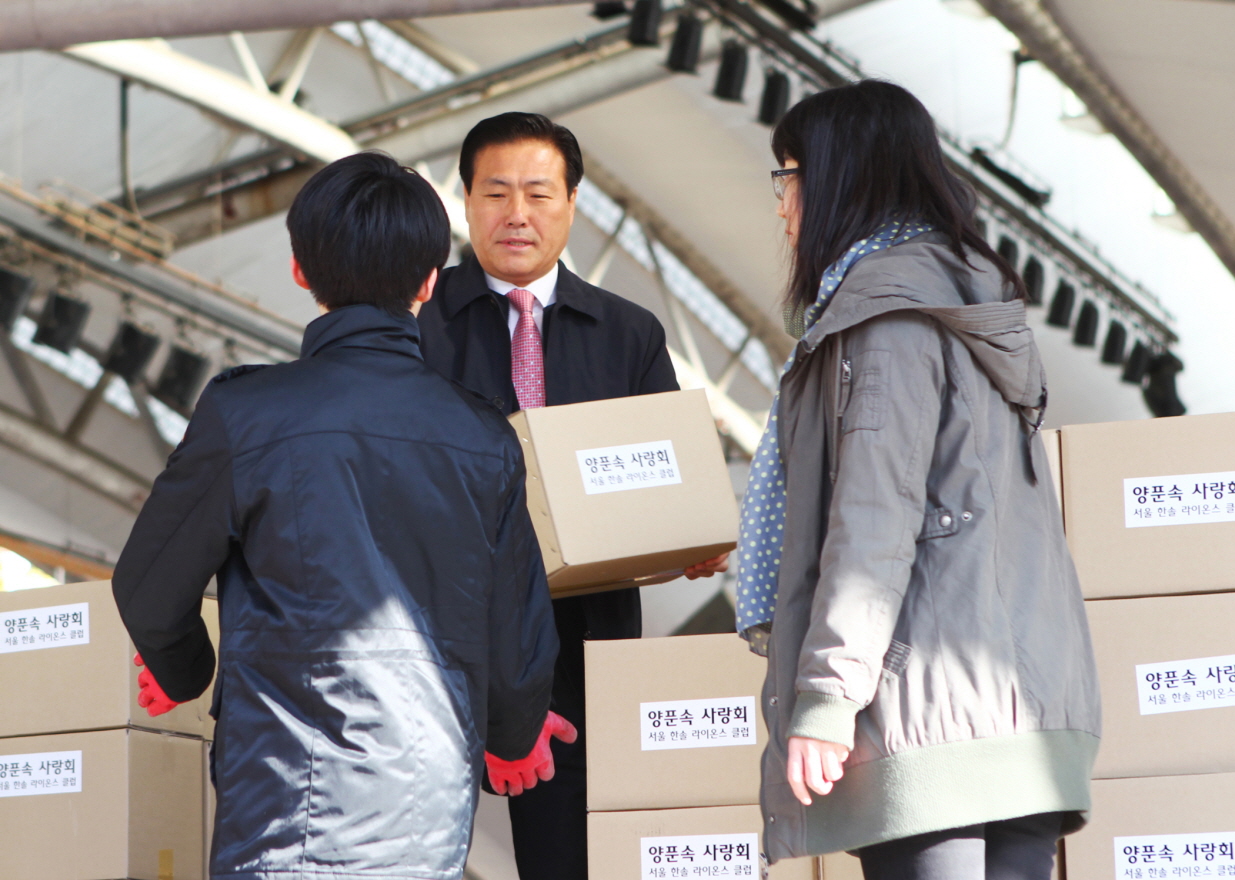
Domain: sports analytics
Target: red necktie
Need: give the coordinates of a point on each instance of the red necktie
(526, 358)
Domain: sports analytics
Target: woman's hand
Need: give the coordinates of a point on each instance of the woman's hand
(814, 764)
(708, 567)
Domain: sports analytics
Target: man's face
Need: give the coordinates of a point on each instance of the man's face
(518, 210)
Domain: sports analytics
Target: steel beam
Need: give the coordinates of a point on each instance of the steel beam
(53, 24)
(157, 65)
(91, 470)
(1034, 25)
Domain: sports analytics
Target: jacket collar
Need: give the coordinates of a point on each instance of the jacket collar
(467, 284)
(362, 326)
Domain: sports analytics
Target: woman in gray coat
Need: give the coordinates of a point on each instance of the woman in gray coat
(902, 560)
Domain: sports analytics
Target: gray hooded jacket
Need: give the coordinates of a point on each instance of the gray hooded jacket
(928, 612)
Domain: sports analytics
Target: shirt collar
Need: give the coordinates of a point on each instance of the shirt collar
(543, 288)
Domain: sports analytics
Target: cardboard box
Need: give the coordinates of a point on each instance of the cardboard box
(101, 805)
(627, 846)
(626, 492)
(1150, 505)
(72, 668)
(642, 750)
(1167, 672)
(1193, 816)
(840, 866)
(1050, 439)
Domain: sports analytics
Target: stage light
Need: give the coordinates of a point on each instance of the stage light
(1161, 396)
(131, 350)
(775, 99)
(15, 292)
(1086, 332)
(687, 39)
(608, 9)
(1060, 314)
(1113, 348)
(1034, 277)
(182, 375)
(62, 322)
(1009, 251)
(645, 23)
(731, 78)
(1137, 364)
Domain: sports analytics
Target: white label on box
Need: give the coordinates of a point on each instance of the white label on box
(1181, 500)
(56, 626)
(697, 724)
(40, 773)
(1185, 685)
(636, 466)
(1150, 856)
(700, 855)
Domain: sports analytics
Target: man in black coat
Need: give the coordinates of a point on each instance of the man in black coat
(384, 611)
(521, 173)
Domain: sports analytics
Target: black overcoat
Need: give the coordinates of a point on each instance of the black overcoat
(597, 346)
(383, 605)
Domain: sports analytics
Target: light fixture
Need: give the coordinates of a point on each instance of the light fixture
(1086, 332)
(15, 292)
(731, 77)
(607, 9)
(1008, 250)
(1160, 393)
(182, 375)
(1116, 340)
(687, 39)
(1137, 364)
(62, 322)
(645, 23)
(1034, 277)
(775, 99)
(1060, 314)
(130, 351)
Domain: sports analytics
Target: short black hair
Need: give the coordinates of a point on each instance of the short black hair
(367, 230)
(509, 128)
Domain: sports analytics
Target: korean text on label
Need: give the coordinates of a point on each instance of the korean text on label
(697, 724)
(33, 629)
(700, 855)
(1186, 685)
(40, 773)
(1155, 856)
(1180, 500)
(621, 468)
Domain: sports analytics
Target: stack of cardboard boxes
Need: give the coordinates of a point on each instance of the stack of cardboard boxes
(675, 735)
(1149, 508)
(91, 787)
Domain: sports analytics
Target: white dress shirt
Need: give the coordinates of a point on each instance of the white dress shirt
(544, 294)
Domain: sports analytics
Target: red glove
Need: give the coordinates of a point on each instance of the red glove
(151, 696)
(514, 777)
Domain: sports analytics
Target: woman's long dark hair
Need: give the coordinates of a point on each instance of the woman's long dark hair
(869, 154)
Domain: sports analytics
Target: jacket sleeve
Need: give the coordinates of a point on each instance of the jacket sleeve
(180, 540)
(522, 636)
(658, 373)
(877, 508)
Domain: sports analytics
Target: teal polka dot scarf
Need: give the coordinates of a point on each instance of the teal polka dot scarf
(763, 507)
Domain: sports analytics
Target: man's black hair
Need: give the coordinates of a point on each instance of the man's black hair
(509, 128)
(367, 230)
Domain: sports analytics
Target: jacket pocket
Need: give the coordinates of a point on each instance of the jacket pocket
(867, 399)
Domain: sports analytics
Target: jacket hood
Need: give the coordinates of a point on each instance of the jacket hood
(924, 275)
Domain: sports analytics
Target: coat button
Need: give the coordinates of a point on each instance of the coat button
(771, 701)
(771, 818)
(498, 402)
(967, 516)
(945, 520)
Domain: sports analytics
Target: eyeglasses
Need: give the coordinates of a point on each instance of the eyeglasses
(779, 180)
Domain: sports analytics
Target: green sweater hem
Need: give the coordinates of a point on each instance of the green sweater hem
(825, 717)
(932, 788)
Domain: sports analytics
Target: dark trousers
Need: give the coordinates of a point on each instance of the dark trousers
(1014, 849)
(549, 822)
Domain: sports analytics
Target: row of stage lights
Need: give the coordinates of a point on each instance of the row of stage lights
(63, 320)
(1138, 363)
(684, 52)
